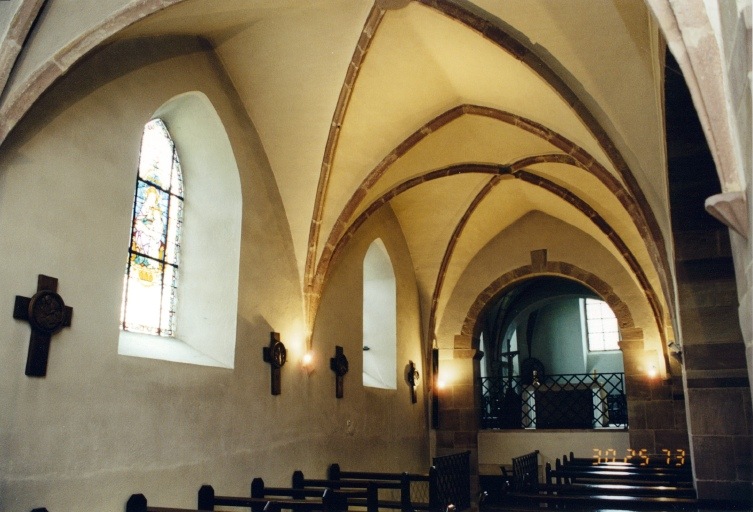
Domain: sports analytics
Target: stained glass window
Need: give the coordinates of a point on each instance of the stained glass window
(151, 277)
(601, 325)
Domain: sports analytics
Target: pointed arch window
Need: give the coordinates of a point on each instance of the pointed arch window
(151, 277)
(379, 318)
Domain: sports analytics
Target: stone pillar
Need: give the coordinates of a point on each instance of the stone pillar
(656, 406)
(716, 377)
(459, 404)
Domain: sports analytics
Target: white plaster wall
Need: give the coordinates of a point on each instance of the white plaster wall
(102, 426)
(382, 420)
(558, 339)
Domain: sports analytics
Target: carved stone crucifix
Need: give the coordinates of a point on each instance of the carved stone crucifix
(275, 354)
(339, 365)
(47, 314)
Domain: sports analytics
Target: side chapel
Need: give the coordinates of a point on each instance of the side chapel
(248, 237)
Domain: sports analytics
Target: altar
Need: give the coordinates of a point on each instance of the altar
(564, 406)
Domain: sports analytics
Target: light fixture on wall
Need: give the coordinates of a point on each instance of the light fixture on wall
(307, 361)
(652, 372)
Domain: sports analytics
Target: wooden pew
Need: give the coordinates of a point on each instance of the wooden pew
(138, 503)
(359, 492)
(646, 463)
(260, 490)
(394, 483)
(580, 482)
(606, 501)
(617, 473)
(448, 484)
(525, 472)
(325, 501)
(617, 480)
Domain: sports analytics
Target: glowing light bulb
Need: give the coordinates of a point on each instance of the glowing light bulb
(307, 361)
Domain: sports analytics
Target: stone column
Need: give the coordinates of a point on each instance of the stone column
(656, 406)
(459, 404)
(716, 376)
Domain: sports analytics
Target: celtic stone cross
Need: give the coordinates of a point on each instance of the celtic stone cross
(47, 314)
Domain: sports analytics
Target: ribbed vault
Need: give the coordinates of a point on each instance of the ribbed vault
(460, 118)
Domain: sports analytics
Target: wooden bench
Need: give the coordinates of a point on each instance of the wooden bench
(448, 483)
(138, 503)
(394, 483)
(585, 482)
(260, 490)
(617, 473)
(593, 501)
(326, 500)
(525, 473)
(360, 492)
(645, 462)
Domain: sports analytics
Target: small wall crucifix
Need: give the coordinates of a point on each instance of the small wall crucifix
(47, 314)
(412, 376)
(275, 354)
(339, 365)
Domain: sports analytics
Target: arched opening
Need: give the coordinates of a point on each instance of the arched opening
(541, 366)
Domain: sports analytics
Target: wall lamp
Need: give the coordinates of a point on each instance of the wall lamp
(307, 361)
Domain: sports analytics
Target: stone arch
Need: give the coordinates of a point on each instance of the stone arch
(554, 268)
(648, 398)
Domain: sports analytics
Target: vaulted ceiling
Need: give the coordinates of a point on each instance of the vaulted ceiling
(460, 116)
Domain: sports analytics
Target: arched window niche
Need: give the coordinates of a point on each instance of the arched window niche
(207, 289)
(379, 319)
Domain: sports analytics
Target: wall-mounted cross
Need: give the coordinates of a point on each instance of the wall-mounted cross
(47, 314)
(413, 376)
(275, 354)
(339, 365)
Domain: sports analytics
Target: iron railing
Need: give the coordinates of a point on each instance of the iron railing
(575, 401)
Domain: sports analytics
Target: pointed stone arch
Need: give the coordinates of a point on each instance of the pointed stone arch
(538, 267)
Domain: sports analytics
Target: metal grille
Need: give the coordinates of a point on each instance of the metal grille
(450, 482)
(584, 401)
(419, 490)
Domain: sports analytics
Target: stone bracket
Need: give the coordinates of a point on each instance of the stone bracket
(731, 209)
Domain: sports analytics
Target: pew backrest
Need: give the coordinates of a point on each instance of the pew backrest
(450, 482)
(447, 484)
(525, 472)
(138, 503)
(330, 501)
(361, 492)
(407, 486)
